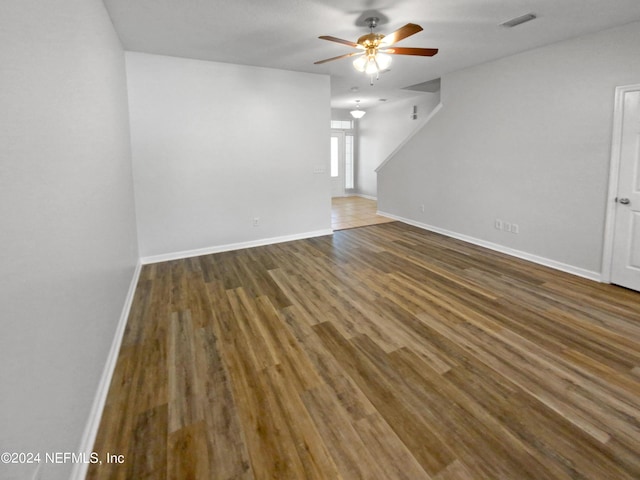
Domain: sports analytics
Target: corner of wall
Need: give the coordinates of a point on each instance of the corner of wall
(79, 471)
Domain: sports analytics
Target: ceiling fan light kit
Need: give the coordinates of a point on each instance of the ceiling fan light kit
(372, 64)
(376, 56)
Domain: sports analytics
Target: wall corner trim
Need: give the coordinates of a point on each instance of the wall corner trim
(79, 471)
(232, 246)
(563, 267)
(426, 120)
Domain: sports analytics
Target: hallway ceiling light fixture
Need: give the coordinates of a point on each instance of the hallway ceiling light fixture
(376, 56)
(357, 113)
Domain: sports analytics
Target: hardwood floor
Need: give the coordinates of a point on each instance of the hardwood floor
(383, 352)
(352, 212)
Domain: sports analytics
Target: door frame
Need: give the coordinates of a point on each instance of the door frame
(614, 171)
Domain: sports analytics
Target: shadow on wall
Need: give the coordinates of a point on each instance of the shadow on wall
(385, 129)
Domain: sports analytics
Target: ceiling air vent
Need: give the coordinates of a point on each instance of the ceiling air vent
(514, 22)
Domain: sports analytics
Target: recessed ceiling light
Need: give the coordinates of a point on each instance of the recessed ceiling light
(382, 99)
(354, 89)
(514, 22)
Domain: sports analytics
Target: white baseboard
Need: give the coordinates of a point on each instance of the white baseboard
(581, 272)
(354, 194)
(79, 471)
(232, 246)
(368, 197)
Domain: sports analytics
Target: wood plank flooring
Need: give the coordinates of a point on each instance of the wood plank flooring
(383, 352)
(352, 212)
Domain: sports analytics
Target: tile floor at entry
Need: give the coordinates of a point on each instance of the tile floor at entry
(351, 212)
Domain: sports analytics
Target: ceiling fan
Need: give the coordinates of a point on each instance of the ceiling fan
(374, 48)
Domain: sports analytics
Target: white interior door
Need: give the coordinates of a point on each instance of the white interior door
(625, 265)
(337, 164)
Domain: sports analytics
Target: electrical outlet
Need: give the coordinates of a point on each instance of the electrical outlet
(422, 208)
(507, 226)
(256, 221)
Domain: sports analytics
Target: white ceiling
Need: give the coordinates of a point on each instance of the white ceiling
(284, 33)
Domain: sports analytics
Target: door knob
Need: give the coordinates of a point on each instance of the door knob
(623, 201)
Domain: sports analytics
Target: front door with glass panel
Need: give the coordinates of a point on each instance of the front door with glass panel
(337, 169)
(342, 167)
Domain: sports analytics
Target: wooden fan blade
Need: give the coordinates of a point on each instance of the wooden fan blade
(402, 33)
(422, 52)
(339, 40)
(337, 58)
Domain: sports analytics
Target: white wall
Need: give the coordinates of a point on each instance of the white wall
(68, 244)
(382, 130)
(215, 145)
(341, 114)
(525, 139)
